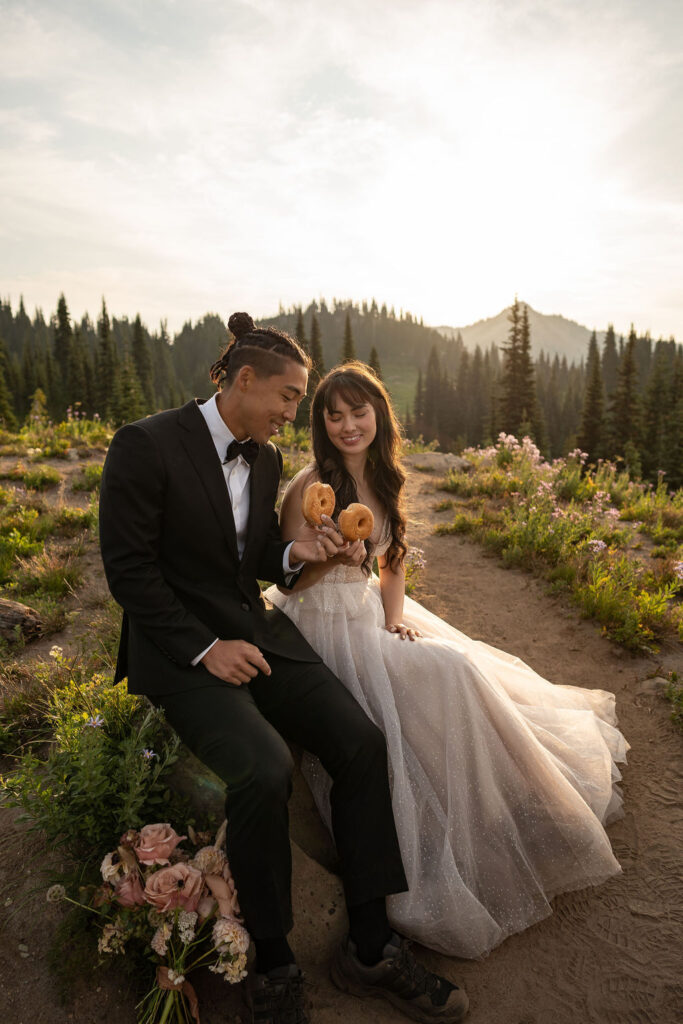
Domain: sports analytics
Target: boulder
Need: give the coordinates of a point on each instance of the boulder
(437, 462)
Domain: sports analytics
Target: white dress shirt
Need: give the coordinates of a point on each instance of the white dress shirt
(236, 473)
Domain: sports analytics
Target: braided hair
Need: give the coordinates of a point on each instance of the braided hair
(265, 349)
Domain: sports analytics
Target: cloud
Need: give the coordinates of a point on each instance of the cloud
(441, 156)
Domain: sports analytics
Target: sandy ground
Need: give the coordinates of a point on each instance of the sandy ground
(612, 955)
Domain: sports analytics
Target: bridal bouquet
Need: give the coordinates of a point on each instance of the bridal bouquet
(183, 908)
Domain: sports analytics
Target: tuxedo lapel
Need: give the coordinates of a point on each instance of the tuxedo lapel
(199, 445)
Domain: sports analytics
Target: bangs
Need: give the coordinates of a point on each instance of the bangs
(351, 392)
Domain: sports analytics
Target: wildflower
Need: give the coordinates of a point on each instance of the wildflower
(160, 938)
(95, 722)
(187, 923)
(596, 545)
(55, 894)
(112, 939)
(177, 979)
(56, 651)
(148, 755)
(678, 570)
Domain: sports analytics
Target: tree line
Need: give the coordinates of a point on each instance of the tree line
(624, 401)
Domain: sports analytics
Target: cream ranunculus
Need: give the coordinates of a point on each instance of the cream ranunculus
(176, 886)
(157, 843)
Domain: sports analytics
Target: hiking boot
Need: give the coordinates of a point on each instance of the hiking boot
(399, 978)
(277, 997)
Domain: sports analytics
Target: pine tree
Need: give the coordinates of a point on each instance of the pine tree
(128, 400)
(625, 412)
(510, 409)
(76, 391)
(655, 406)
(300, 330)
(316, 353)
(143, 364)
(592, 417)
(432, 394)
(673, 425)
(348, 353)
(63, 339)
(373, 363)
(419, 406)
(8, 420)
(610, 361)
(106, 367)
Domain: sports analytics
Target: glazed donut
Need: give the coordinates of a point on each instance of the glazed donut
(318, 500)
(356, 522)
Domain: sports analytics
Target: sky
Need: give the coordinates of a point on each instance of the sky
(181, 157)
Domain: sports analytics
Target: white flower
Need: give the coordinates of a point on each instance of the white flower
(230, 935)
(56, 651)
(113, 868)
(187, 922)
(55, 893)
(177, 979)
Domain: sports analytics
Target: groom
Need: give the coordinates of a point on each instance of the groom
(187, 528)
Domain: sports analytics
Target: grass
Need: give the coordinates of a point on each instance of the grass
(40, 478)
(89, 479)
(576, 527)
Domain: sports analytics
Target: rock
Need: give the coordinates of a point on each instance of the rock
(206, 793)
(652, 687)
(437, 462)
(18, 621)
(72, 455)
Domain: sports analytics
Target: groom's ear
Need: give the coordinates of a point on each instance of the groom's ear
(245, 377)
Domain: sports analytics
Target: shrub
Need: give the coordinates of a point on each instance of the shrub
(89, 479)
(105, 772)
(42, 478)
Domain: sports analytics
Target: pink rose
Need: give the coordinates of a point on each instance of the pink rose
(129, 892)
(156, 843)
(176, 886)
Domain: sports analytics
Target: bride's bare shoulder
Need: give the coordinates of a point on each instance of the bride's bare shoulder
(298, 484)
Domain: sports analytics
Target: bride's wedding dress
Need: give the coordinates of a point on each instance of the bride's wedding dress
(501, 781)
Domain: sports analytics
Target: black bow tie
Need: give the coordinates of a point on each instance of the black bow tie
(247, 449)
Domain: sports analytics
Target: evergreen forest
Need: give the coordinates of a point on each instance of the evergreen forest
(623, 401)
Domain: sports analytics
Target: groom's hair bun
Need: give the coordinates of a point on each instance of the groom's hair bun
(240, 324)
(265, 349)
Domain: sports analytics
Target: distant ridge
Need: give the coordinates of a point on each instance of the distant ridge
(555, 335)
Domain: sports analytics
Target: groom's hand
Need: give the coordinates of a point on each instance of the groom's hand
(235, 661)
(317, 544)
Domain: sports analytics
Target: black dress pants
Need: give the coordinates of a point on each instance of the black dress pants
(238, 731)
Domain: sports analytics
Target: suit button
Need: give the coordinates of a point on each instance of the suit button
(246, 606)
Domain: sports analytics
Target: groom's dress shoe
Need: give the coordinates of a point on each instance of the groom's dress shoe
(277, 997)
(399, 978)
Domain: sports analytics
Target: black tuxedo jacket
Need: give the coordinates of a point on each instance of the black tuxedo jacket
(169, 549)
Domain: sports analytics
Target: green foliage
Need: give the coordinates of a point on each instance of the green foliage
(106, 770)
(557, 520)
(41, 478)
(51, 571)
(90, 478)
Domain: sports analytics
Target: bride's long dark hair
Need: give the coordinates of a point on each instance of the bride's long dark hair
(356, 384)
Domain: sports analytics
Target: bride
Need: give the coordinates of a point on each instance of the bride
(501, 781)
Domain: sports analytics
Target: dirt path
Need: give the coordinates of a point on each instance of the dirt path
(612, 955)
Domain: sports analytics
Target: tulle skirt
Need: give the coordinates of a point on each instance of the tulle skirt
(501, 781)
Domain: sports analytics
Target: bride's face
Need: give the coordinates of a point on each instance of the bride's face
(350, 428)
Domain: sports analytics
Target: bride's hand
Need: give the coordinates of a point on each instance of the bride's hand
(353, 556)
(403, 631)
(318, 544)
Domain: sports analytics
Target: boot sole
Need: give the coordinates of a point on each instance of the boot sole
(355, 988)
